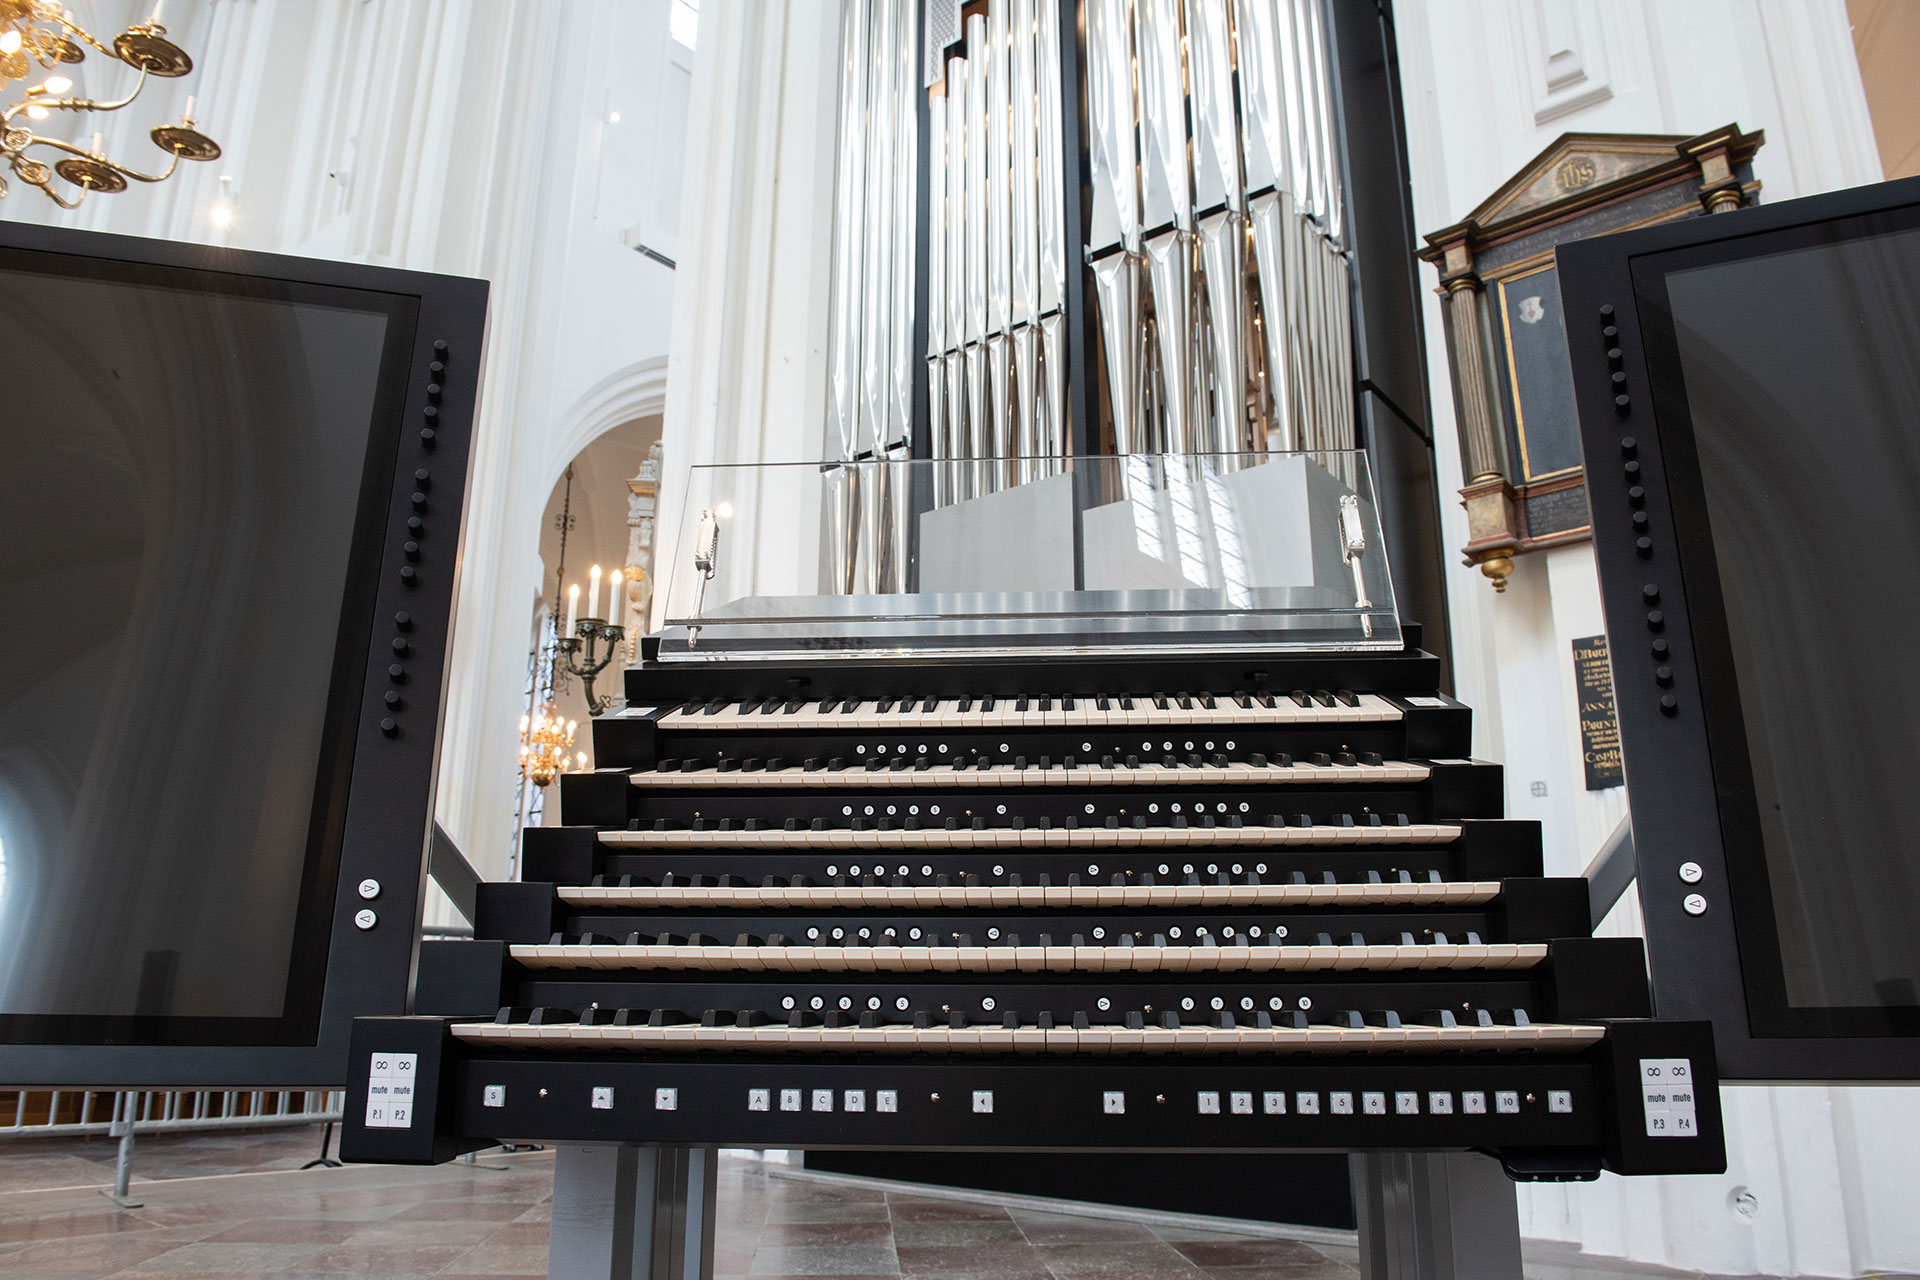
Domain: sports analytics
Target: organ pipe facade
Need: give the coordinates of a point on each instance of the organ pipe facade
(1213, 240)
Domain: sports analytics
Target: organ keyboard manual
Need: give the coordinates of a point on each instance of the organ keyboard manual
(1116, 809)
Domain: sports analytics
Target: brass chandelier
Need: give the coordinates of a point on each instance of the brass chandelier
(40, 34)
(545, 739)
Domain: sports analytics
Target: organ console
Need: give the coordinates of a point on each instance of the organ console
(1142, 893)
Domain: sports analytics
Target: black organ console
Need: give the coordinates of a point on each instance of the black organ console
(1049, 769)
(1106, 902)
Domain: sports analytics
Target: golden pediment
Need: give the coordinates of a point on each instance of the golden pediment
(1578, 164)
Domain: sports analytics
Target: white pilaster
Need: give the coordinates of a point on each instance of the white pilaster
(747, 368)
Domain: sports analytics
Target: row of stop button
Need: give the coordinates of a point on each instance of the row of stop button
(1405, 1102)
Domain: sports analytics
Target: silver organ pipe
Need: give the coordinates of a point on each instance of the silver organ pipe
(878, 211)
(904, 54)
(939, 443)
(954, 335)
(1166, 210)
(979, 420)
(1220, 223)
(1025, 231)
(844, 327)
(844, 332)
(1051, 264)
(1114, 243)
(1215, 246)
(999, 162)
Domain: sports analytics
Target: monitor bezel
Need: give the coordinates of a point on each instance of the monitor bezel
(1685, 761)
(384, 788)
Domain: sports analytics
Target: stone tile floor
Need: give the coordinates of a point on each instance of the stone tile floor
(237, 1206)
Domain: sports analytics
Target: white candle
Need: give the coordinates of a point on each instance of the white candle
(573, 607)
(593, 592)
(616, 601)
(154, 17)
(97, 145)
(187, 115)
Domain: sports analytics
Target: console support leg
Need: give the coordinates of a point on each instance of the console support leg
(1435, 1217)
(633, 1213)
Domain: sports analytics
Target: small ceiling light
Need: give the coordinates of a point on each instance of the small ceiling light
(9, 41)
(613, 117)
(58, 84)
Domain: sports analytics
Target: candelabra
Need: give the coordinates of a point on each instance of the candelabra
(40, 31)
(587, 652)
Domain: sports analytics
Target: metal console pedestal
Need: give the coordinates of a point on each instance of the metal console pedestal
(633, 1213)
(1435, 1217)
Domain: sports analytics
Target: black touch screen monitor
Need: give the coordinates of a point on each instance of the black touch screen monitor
(207, 465)
(1760, 558)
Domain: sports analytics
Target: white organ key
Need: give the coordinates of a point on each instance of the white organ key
(1144, 713)
(1032, 958)
(1028, 1039)
(1054, 775)
(1078, 837)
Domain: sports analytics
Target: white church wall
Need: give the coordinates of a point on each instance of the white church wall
(1817, 1183)
(746, 375)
